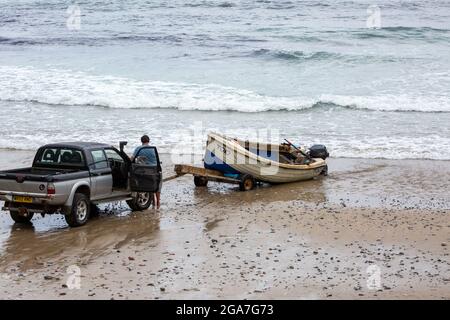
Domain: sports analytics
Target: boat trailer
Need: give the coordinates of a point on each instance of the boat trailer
(202, 176)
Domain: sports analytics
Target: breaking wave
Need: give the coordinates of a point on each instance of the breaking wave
(301, 56)
(295, 55)
(92, 41)
(64, 87)
(410, 33)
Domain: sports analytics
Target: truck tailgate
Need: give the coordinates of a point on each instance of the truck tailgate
(9, 185)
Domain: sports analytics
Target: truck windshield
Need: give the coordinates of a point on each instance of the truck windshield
(60, 157)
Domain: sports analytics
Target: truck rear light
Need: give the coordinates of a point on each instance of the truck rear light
(50, 188)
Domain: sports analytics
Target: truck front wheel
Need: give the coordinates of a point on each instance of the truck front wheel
(141, 201)
(79, 213)
(19, 218)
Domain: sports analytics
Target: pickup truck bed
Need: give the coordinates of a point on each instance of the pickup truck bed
(37, 171)
(37, 174)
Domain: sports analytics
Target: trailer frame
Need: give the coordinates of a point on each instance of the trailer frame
(203, 175)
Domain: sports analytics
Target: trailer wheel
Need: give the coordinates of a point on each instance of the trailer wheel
(80, 211)
(18, 218)
(247, 183)
(141, 202)
(200, 181)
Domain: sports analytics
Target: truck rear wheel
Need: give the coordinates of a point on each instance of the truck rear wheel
(79, 213)
(19, 218)
(324, 171)
(141, 202)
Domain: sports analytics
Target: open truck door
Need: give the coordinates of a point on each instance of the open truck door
(145, 171)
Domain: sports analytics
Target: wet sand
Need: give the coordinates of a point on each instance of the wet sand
(378, 221)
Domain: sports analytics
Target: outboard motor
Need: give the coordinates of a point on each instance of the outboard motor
(318, 151)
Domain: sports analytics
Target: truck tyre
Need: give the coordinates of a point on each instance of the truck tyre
(200, 181)
(95, 211)
(141, 202)
(18, 218)
(325, 171)
(247, 183)
(80, 211)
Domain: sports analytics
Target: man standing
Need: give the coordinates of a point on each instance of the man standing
(148, 156)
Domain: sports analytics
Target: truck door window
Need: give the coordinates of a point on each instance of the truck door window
(147, 156)
(118, 167)
(99, 159)
(112, 154)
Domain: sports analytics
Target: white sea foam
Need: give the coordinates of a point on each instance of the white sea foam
(64, 87)
(76, 88)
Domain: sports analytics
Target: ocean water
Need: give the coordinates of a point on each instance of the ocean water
(309, 71)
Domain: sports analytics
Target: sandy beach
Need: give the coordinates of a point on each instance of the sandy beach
(371, 229)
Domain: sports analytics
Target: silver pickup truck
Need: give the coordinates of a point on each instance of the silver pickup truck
(72, 178)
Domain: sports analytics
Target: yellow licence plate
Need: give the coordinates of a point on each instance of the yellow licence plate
(23, 199)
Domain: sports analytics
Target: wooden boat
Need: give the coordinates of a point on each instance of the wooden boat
(273, 163)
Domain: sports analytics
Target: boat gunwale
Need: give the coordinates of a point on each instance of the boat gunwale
(236, 146)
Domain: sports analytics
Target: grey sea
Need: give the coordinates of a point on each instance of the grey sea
(369, 79)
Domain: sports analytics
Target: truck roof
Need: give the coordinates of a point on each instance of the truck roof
(78, 144)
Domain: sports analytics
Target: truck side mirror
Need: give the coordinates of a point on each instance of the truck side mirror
(122, 144)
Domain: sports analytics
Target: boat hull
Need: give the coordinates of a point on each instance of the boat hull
(230, 156)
